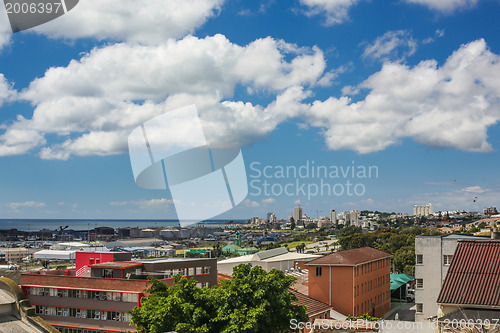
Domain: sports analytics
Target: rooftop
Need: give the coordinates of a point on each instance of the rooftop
(350, 257)
(313, 306)
(474, 275)
(116, 264)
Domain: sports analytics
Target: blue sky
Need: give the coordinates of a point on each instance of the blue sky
(410, 87)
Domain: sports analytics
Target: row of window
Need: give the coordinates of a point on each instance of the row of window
(82, 313)
(370, 267)
(419, 260)
(368, 286)
(77, 330)
(90, 294)
(190, 271)
(368, 305)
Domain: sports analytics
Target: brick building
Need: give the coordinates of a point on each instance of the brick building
(353, 282)
(97, 301)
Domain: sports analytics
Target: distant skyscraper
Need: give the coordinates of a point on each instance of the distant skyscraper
(352, 218)
(423, 210)
(333, 216)
(297, 213)
(271, 217)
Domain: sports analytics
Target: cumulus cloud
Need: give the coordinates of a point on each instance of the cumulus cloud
(93, 103)
(144, 21)
(15, 206)
(450, 106)
(268, 201)
(5, 30)
(250, 203)
(152, 204)
(393, 45)
(445, 5)
(335, 11)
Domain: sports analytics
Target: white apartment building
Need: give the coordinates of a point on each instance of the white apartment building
(352, 218)
(333, 216)
(433, 258)
(422, 210)
(297, 213)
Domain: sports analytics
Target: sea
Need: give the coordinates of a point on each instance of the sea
(75, 224)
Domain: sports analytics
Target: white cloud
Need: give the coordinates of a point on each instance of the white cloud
(335, 11)
(250, 203)
(450, 106)
(94, 103)
(268, 201)
(144, 21)
(5, 29)
(445, 5)
(152, 204)
(15, 206)
(393, 45)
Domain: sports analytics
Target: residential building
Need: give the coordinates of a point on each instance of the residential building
(99, 300)
(353, 282)
(333, 216)
(471, 289)
(297, 213)
(490, 211)
(433, 259)
(423, 210)
(18, 254)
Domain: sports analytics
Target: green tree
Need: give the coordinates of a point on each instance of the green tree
(183, 308)
(217, 249)
(254, 301)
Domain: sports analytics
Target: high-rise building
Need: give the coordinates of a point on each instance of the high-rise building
(423, 210)
(351, 217)
(333, 216)
(297, 213)
(271, 217)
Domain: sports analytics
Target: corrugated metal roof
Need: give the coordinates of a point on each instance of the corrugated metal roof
(351, 257)
(313, 306)
(271, 253)
(474, 275)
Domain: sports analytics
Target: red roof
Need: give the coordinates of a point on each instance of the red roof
(474, 275)
(313, 306)
(350, 257)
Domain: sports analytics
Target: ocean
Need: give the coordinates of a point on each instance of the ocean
(75, 224)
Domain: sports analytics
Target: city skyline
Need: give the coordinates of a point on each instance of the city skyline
(388, 105)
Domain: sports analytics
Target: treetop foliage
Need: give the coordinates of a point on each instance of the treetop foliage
(254, 301)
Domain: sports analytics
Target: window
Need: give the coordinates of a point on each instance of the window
(419, 283)
(447, 259)
(319, 270)
(420, 307)
(108, 273)
(420, 259)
